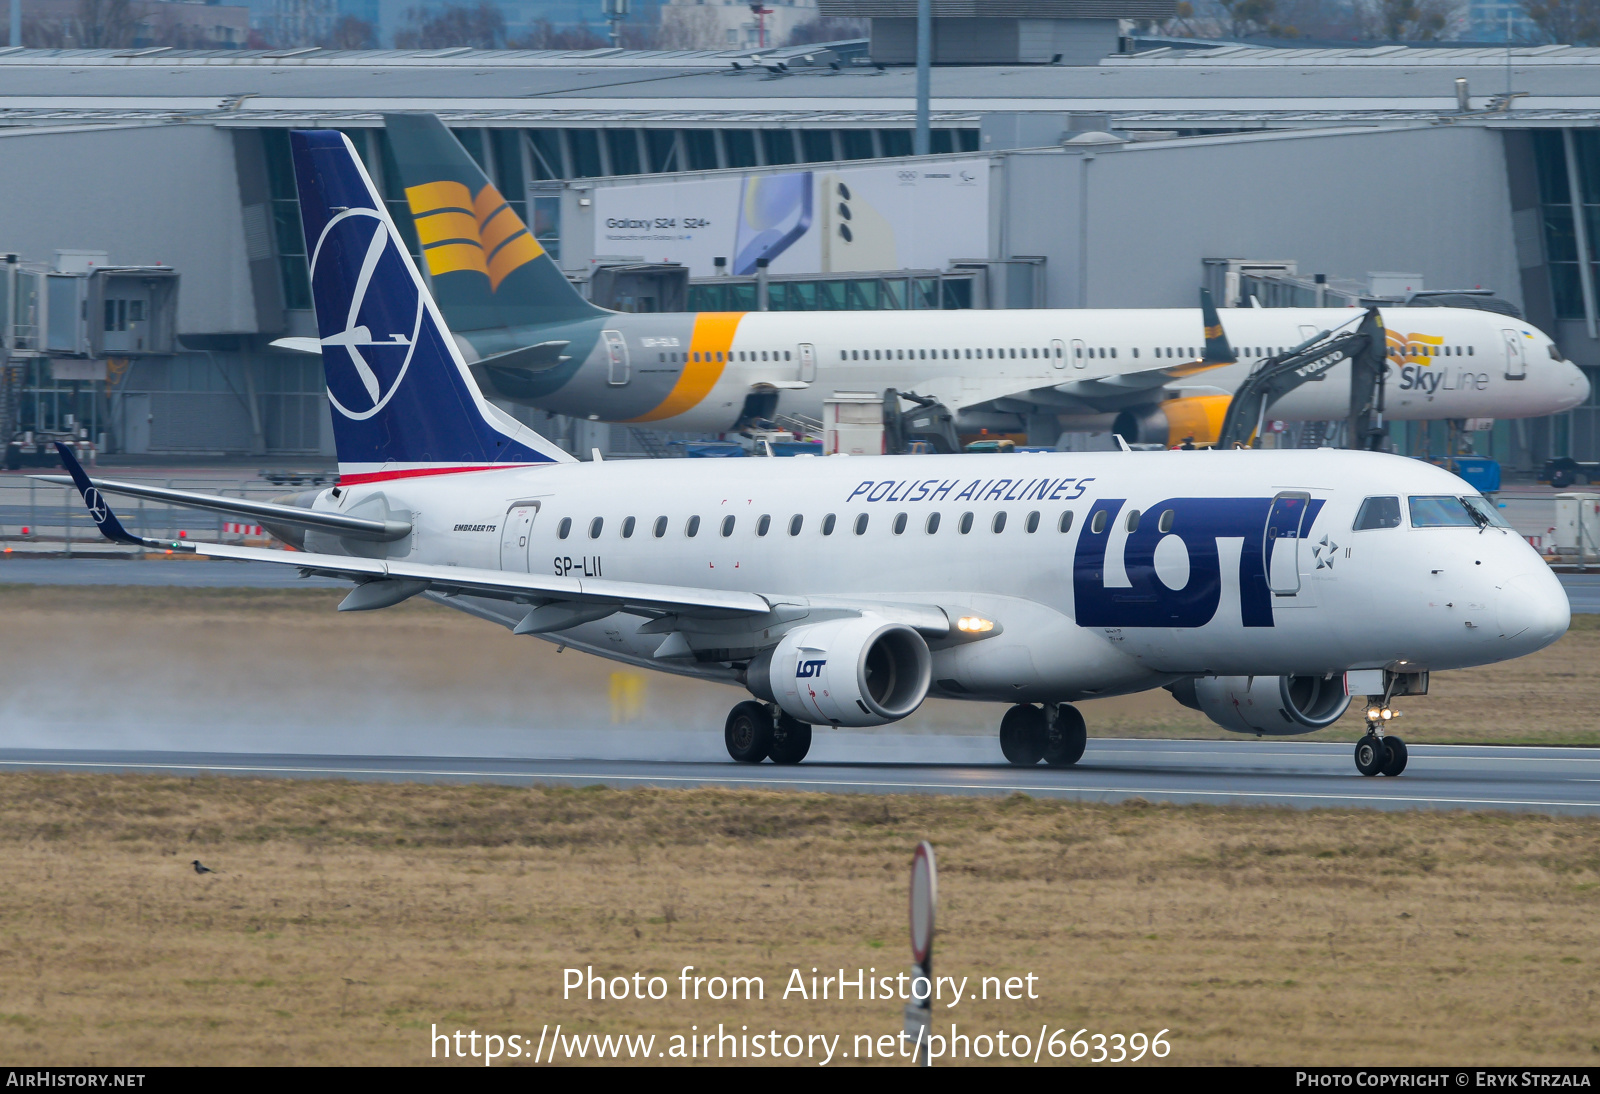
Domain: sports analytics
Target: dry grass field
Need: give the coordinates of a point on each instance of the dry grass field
(348, 919)
(286, 661)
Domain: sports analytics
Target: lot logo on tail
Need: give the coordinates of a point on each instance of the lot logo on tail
(366, 361)
(462, 232)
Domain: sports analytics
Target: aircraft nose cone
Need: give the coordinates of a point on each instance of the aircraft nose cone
(1532, 611)
(1580, 386)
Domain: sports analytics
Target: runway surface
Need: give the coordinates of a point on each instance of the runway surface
(1582, 589)
(1246, 772)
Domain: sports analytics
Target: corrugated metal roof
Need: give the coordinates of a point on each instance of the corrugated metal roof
(1230, 85)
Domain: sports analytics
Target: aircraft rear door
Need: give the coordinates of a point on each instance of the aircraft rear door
(516, 533)
(617, 357)
(1516, 360)
(808, 362)
(1280, 547)
(1078, 353)
(1058, 353)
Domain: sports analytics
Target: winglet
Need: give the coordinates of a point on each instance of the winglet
(1217, 351)
(99, 511)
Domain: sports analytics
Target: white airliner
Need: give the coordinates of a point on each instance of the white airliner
(1263, 588)
(532, 339)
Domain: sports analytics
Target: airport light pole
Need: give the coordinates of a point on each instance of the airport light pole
(615, 12)
(921, 143)
(16, 23)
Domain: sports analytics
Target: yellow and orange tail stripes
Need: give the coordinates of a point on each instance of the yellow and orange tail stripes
(460, 232)
(710, 347)
(1414, 349)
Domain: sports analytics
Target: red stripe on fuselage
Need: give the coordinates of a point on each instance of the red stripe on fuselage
(418, 472)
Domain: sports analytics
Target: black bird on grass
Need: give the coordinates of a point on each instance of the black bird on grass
(200, 869)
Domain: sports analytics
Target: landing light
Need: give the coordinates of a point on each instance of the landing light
(973, 624)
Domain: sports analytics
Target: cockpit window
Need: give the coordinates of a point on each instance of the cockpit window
(1441, 511)
(1378, 513)
(1487, 509)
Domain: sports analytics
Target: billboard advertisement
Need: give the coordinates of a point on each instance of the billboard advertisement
(821, 220)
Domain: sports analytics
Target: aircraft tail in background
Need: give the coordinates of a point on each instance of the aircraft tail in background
(487, 269)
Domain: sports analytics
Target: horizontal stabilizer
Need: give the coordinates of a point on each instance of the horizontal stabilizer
(383, 531)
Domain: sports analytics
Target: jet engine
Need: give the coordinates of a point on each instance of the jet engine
(858, 671)
(1197, 416)
(1265, 704)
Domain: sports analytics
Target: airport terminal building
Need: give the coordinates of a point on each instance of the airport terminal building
(154, 249)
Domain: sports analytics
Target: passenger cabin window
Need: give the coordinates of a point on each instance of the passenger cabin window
(933, 523)
(1378, 513)
(796, 522)
(861, 524)
(1033, 521)
(1441, 511)
(661, 527)
(965, 525)
(1098, 524)
(727, 526)
(595, 526)
(1065, 523)
(692, 528)
(827, 524)
(564, 529)
(627, 528)
(999, 522)
(900, 523)
(1133, 520)
(764, 525)
(1164, 525)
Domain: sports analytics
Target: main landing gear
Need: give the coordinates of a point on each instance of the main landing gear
(756, 731)
(1380, 753)
(1055, 734)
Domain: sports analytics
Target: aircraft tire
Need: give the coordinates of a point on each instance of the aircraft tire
(791, 740)
(1024, 734)
(1066, 739)
(1397, 755)
(748, 733)
(1371, 756)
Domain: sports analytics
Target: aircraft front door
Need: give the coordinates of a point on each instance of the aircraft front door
(1058, 353)
(1281, 542)
(808, 362)
(1079, 354)
(516, 533)
(1516, 359)
(617, 357)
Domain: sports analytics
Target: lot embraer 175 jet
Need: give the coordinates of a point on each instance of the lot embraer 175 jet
(1263, 588)
(532, 339)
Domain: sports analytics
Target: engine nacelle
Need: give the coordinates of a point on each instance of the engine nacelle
(1196, 416)
(860, 671)
(1279, 705)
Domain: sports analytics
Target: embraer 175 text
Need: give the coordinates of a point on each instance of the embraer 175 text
(532, 339)
(1263, 588)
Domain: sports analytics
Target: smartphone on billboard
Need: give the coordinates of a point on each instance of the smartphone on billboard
(855, 236)
(774, 211)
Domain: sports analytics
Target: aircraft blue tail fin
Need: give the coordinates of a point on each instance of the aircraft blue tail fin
(403, 400)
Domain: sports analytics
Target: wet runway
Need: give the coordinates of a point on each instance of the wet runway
(1246, 772)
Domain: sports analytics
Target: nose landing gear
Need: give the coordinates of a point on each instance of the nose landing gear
(1055, 734)
(1379, 753)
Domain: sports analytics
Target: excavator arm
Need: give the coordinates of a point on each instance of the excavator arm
(1277, 376)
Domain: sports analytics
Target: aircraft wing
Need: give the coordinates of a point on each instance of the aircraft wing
(1096, 393)
(504, 584)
